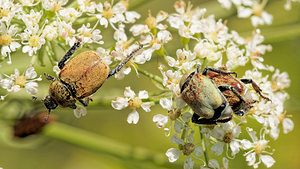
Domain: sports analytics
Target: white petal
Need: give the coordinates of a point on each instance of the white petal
(198, 151)
(246, 144)
(30, 73)
(213, 163)
(146, 106)
(252, 134)
(131, 16)
(173, 154)
(133, 117)
(274, 133)
(175, 139)
(5, 50)
(218, 133)
(178, 126)
(235, 147)
(267, 160)
(188, 163)
(166, 103)
(288, 125)
(14, 88)
(225, 162)
(267, 18)
(186, 117)
(160, 120)
(120, 103)
(6, 83)
(80, 111)
(128, 92)
(251, 158)
(31, 87)
(217, 148)
(244, 12)
(143, 94)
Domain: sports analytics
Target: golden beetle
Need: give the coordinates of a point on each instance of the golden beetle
(79, 78)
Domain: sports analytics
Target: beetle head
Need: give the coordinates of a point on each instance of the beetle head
(185, 80)
(50, 103)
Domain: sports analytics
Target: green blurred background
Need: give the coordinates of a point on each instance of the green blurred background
(103, 138)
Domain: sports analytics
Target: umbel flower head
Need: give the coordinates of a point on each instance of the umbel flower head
(180, 42)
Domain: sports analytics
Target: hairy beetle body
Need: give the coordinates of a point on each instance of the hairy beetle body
(79, 78)
(234, 89)
(202, 96)
(61, 94)
(85, 74)
(233, 100)
(205, 99)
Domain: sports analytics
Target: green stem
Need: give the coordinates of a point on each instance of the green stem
(94, 142)
(183, 136)
(87, 19)
(203, 140)
(150, 75)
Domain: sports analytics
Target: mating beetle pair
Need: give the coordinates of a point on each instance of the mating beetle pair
(79, 78)
(215, 94)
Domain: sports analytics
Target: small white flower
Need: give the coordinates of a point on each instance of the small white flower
(69, 14)
(89, 35)
(257, 148)
(80, 111)
(34, 40)
(133, 117)
(160, 120)
(173, 154)
(133, 102)
(7, 35)
(27, 80)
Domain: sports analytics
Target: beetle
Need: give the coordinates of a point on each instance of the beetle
(29, 125)
(79, 78)
(234, 89)
(205, 99)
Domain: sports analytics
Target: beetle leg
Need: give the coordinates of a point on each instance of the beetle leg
(49, 77)
(255, 87)
(73, 106)
(198, 68)
(120, 66)
(196, 119)
(70, 52)
(223, 88)
(206, 69)
(225, 120)
(86, 101)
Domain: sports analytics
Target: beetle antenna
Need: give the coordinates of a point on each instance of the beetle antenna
(117, 69)
(70, 52)
(46, 119)
(36, 98)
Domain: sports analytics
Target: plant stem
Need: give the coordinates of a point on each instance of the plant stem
(91, 141)
(203, 140)
(150, 75)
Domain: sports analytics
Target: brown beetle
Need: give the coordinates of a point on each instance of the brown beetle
(79, 78)
(29, 125)
(204, 98)
(234, 89)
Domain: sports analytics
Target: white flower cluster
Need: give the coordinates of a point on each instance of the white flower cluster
(16, 81)
(55, 22)
(213, 45)
(250, 9)
(35, 26)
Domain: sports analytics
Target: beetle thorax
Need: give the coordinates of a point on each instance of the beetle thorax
(61, 94)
